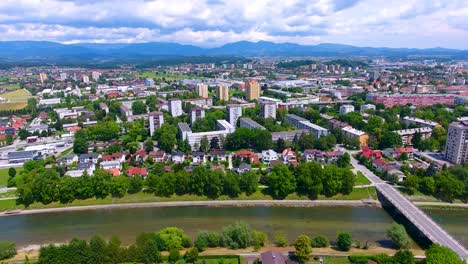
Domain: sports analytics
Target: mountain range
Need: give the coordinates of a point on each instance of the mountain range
(52, 51)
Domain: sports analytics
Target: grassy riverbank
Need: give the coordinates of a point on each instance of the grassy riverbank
(141, 197)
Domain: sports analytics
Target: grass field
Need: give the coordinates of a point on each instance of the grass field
(141, 197)
(159, 77)
(16, 100)
(4, 175)
(361, 179)
(10, 86)
(332, 260)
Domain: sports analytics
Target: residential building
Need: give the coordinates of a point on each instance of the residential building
(234, 112)
(269, 155)
(149, 82)
(112, 164)
(218, 155)
(419, 122)
(90, 158)
(63, 76)
(175, 107)
(222, 92)
(69, 159)
(456, 147)
(268, 110)
(252, 90)
(366, 107)
(42, 77)
(21, 156)
(302, 123)
(224, 128)
(196, 113)
(202, 90)
(85, 79)
(198, 157)
(344, 109)
(245, 155)
(96, 75)
(178, 156)
(287, 135)
(408, 134)
(418, 100)
(134, 171)
(288, 155)
(250, 124)
(104, 107)
(353, 133)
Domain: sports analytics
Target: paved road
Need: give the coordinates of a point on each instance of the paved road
(423, 222)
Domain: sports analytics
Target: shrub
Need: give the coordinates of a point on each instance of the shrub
(260, 239)
(281, 240)
(7, 250)
(319, 242)
(191, 255)
(439, 254)
(344, 241)
(399, 237)
(207, 239)
(303, 248)
(237, 236)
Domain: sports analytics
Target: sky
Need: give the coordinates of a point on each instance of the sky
(211, 23)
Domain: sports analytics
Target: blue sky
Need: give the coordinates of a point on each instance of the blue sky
(208, 23)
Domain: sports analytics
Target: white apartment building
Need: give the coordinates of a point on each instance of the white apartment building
(156, 120)
(250, 124)
(196, 113)
(367, 107)
(234, 112)
(456, 148)
(407, 134)
(302, 123)
(344, 109)
(419, 122)
(268, 110)
(223, 126)
(175, 107)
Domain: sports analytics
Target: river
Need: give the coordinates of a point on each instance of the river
(365, 223)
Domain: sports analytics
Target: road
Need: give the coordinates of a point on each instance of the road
(423, 222)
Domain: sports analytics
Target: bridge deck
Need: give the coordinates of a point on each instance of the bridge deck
(423, 222)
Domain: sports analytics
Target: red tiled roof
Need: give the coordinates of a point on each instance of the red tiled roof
(136, 171)
(114, 171)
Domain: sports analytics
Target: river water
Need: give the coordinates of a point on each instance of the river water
(365, 223)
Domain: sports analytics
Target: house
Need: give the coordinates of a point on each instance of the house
(114, 157)
(114, 172)
(178, 156)
(198, 157)
(69, 159)
(333, 156)
(399, 174)
(158, 156)
(408, 151)
(82, 168)
(132, 171)
(272, 257)
(276, 162)
(370, 153)
(247, 155)
(111, 164)
(380, 165)
(90, 158)
(218, 154)
(313, 154)
(243, 167)
(288, 155)
(269, 155)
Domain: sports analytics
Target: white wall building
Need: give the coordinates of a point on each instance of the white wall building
(224, 128)
(234, 112)
(156, 120)
(175, 107)
(344, 109)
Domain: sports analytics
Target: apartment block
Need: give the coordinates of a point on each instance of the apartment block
(234, 112)
(252, 90)
(202, 90)
(456, 147)
(268, 110)
(156, 120)
(175, 107)
(250, 124)
(222, 92)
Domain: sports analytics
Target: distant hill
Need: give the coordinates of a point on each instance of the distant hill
(11, 51)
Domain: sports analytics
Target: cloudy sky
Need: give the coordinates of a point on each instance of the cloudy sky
(208, 23)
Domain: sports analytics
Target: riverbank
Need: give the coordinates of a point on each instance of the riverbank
(214, 203)
(142, 197)
(32, 252)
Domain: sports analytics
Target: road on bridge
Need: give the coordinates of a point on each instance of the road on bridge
(422, 221)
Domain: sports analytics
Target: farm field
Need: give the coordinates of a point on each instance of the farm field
(16, 100)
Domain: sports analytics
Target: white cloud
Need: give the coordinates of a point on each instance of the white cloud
(396, 23)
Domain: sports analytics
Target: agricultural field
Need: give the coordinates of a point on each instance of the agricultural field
(9, 86)
(162, 77)
(15, 100)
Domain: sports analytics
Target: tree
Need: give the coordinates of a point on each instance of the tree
(7, 250)
(389, 140)
(448, 187)
(280, 144)
(135, 184)
(237, 236)
(23, 134)
(404, 156)
(411, 183)
(404, 257)
(231, 185)
(302, 248)
(427, 185)
(174, 255)
(344, 241)
(204, 144)
(260, 239)
(80, 144)
(12, 172)
(119, 186)
(191, 255)
(281, 181)
(343, 161)
(114, 148)
(149, 146)
(248, 182)
(281, 240)
(399, 237)
(214, 143)
(8, 139)
(309, 179)
(438, 254)
(139, 108)
(166, 137)
(319, 242)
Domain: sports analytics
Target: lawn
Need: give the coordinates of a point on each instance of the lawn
(361, 179)
(158, 76)
(4, 175)
(218, 260)
(10, 86)
(17, 96)
(8, 205)
(141, 197)
(333, 260)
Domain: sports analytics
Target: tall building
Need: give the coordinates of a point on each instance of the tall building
(268, 110)
(234, 112)
(85, 78)
(175, 107)
(302, 123)
(149, 82)
(456, 147)
(344, 109)
(156, 120)
(222, 92)
(202, 90)
(63, 76)
(96, 75)
(196, 113)
(42, 77)
(252, 90)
